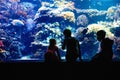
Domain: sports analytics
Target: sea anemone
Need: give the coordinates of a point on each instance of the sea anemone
(96, 27)
(68, 16)
(82, 20)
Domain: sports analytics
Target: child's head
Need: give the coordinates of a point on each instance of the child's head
(101, 35)
(52, 41)
(67, 33)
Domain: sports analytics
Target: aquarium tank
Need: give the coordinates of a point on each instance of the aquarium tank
(26, 26)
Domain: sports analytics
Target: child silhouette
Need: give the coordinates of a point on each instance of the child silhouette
(52, 54)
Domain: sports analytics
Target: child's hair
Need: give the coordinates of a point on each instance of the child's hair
(101, 33)
(67, 32)
(52, 43)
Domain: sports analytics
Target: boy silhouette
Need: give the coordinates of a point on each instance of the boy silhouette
(105, 53)
(72, 47)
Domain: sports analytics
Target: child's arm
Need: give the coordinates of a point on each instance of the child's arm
(58, 53)
(79, 50)
(63, 44)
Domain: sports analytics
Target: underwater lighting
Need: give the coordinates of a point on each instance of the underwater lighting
(63, 58)
(25, 58)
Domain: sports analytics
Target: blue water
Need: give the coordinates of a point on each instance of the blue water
(27, 26)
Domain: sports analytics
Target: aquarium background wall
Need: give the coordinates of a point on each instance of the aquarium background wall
(27, 25)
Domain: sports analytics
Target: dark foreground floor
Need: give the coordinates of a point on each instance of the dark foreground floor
(60, 71)
(37, 69)
(34, 69)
